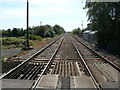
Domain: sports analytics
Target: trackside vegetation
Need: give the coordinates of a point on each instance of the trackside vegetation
(76, 31)
(105, 18)
(16, 37)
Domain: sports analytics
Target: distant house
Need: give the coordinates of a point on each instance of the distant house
(85, 34)
(90, 36)
(89, 26)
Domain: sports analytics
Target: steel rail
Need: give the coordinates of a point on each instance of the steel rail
(30, 58)
(108, 61)
(86, 66)
(33, 87)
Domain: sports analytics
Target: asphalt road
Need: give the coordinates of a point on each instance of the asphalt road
(10, 52)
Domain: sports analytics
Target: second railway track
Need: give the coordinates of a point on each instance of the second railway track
(104, 71)
(65, 64)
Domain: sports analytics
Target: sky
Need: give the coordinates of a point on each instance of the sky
(67, 13)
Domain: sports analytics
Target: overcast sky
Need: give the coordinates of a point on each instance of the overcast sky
(66, 13)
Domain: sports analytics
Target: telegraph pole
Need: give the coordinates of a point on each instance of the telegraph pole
(82, 24)
(27, 24)
(40, 23)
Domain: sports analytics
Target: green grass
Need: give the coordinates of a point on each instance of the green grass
(12, 42)
(19, 42)
(8, 37)
(44, 39)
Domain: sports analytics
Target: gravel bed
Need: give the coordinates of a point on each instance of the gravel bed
(67, 50)
(47, 53)
(31, 52)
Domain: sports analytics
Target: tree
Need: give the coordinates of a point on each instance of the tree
(14, 32)
(40, 31)
(58, 29)
(9, 32)
(43, 31)
(76, 31)
(105, 18)
(49, 31)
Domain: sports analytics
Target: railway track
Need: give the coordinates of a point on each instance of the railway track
(27, 69)
(99, 55)
(67, 67)
(104, 71)
(65, 63)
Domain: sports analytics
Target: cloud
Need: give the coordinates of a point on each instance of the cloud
(68, 13)
(51, 11)
(41, 8)
(14, 13)
(47, 8)
(6, 1)
(54, 2)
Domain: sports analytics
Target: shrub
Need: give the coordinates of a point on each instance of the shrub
(34, 37)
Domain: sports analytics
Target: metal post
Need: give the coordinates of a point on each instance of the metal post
(40, 23)
(82, 24)
(27, 23)
(1, 56)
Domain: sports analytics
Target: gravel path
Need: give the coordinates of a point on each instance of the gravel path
(10, 52)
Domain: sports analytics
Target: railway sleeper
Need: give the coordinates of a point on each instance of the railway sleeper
(67, 68)
(29, 73)
(11, 75)
(113, 73)
(104, 73)
(21, 72)
(97, 74)
(33, 73)
(38, 72)
(24, 75)
(109, 76)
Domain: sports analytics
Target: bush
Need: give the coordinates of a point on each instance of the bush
(76, 31)
(12, 42)
(18, 42)
(34, 37)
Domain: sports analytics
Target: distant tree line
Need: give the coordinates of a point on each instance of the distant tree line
(76, 31)
(43, 31)
(105, 18)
